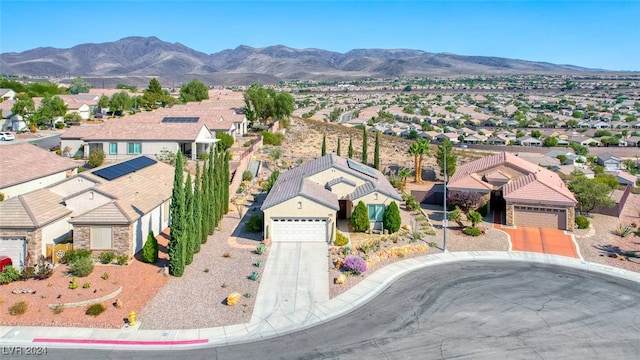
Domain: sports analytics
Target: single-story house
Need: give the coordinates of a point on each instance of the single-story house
(530, 195)
(305, 202)
(529, 141)
(609, 161)
(7, 94)
(122, 140)
(624, 178)
(25, 168)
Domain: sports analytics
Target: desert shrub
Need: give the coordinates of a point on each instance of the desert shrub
(96, 158)
(71, 255)
(18, 308)
(341, 239)
(150, 249)
(107, 257)
(58, 309)
(582, 222)
(391, 218)
(95, 309)
(258, 263)
(81, 267)
(360, 218)
(27, 273)
(269, 138)
(623, 230)
(472, 231)
(411, 203)
(255, 223)
(355, 265)
(105, 276)
(247, 175)
(9, 274)
(270, 181)
(254, 276)
(484, 209)
(86, 285)
(260, 249)
(73, 284)
(44, 269)
(122, 259)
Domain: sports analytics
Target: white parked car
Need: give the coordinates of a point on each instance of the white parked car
(6, 136)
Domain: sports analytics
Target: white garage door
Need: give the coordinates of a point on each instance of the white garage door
(13, 248)
(291, 229)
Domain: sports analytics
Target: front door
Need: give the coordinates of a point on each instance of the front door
(342, 213)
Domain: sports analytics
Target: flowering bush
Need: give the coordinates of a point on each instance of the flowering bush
(354, 264)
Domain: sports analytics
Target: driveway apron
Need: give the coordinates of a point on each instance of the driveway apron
(296, 276)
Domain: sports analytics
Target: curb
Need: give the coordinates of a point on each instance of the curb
(350, 300)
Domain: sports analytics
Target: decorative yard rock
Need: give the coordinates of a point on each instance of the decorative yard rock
(233, 298)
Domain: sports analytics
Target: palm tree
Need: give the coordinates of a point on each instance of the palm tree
(404, 173)
(417, 150)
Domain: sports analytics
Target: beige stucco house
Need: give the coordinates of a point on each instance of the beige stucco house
(528, 194)
(305, 202)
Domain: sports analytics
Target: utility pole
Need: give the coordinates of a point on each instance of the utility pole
(445, 221)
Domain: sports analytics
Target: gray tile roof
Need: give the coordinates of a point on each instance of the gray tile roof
(339, 180)
(24, 162)
(32, 210)
(294, 182)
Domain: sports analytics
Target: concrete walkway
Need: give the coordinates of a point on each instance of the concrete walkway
(280, 322)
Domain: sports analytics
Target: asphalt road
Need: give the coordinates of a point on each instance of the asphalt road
(468, 310)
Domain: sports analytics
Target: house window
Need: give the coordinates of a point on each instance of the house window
(113, 148)
(134, 148)
(376, 212)
(101, 238)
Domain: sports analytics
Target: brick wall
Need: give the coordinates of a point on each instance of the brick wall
(121, 239)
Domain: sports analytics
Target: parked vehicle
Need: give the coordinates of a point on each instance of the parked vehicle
(4, 262)
(6, 136)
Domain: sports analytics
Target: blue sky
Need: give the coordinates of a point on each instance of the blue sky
(596, 34)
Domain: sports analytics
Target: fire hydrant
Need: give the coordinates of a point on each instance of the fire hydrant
(132, 318)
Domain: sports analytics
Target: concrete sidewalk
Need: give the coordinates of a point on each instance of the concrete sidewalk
(285, 320)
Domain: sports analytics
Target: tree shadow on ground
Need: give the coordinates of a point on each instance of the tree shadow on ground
(615, 252)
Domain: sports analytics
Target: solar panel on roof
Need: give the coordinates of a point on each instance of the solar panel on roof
(177, 119)
(361, 168)
(126, 167)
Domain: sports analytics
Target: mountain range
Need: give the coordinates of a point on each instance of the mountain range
(136, 59)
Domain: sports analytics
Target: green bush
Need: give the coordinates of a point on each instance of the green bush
(484, 209)
(107, 257)
(73, 284)
(254, 276)
(9, 274)
(260, 249)
(81, 267)
(391, 218)
(96, 158)
(269, 138)
(44, 269)
(255, 223)
(18, 308)
(59, 125)
(71, 255)
(247, 175)
(582, 222)
(28, 272)
(150, 249)
(95, 309)
(271, 181)
(410, 202)
(122, 259)
(341, 239)
(360, 218)
(472, 231)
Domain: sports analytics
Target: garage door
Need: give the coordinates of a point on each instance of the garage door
(293, 229)
(540, 217)
(13, 248)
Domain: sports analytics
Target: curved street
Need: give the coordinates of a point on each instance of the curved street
(474, 309)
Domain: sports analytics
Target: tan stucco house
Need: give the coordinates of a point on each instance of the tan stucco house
(528, 194)
(305, 202)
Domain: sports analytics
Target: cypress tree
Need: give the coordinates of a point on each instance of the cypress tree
(227, 181)
(350, 151)
(338, 149)
(324, 145)
(150, 249)
(211, 194)
(197, 211)
(189, 235)
(176, 236)
(376, 152)
(204, 207)
(360, 218)
(391, 218)
(365, 156)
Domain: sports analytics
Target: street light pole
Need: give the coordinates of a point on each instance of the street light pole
(445, 221)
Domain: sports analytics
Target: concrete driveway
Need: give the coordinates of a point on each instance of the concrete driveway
(546, 241)
(296, 276)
